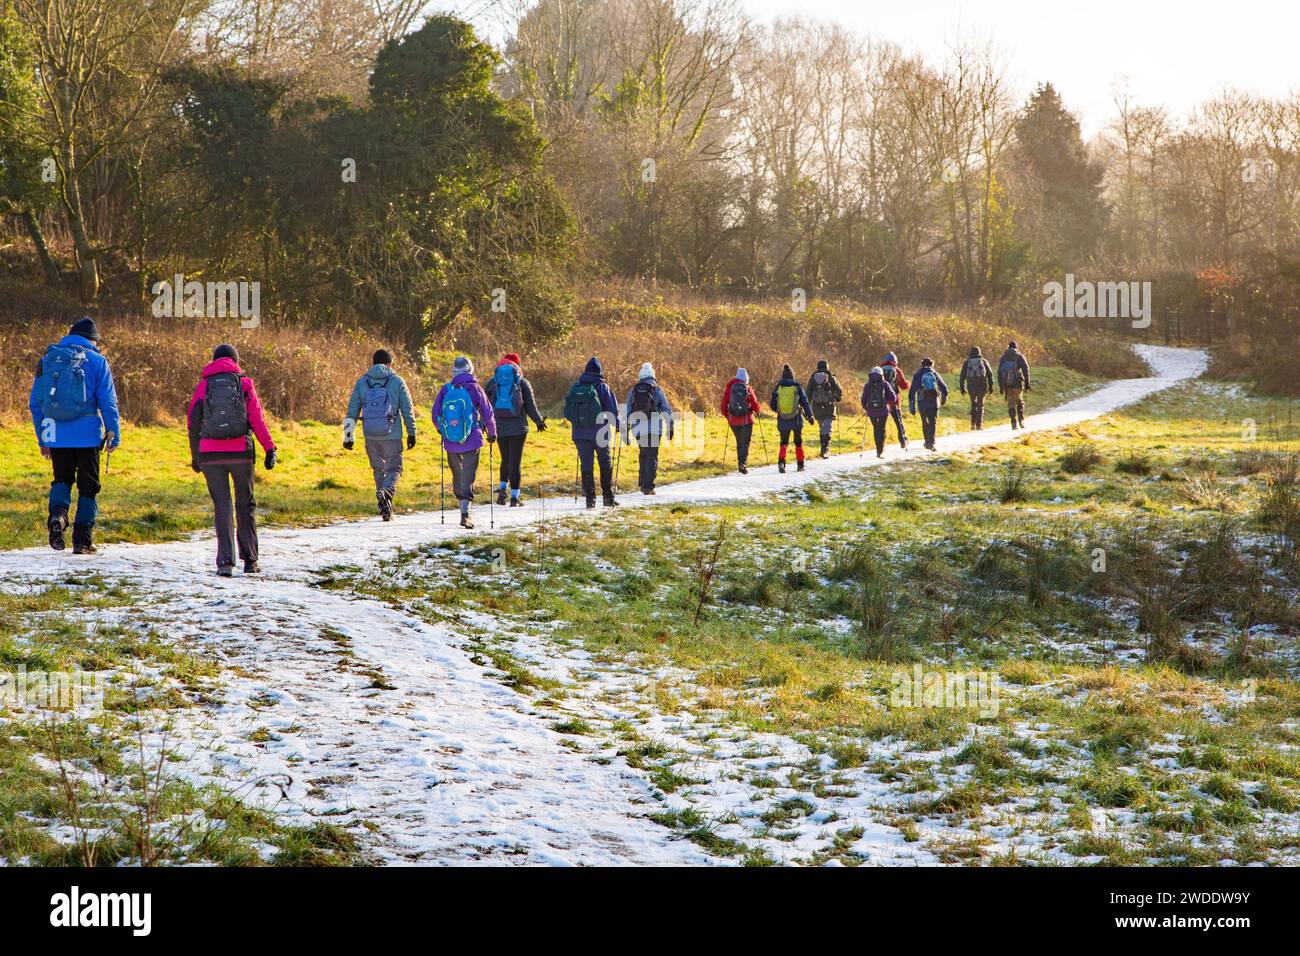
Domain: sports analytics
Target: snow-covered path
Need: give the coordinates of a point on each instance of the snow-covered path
(377, 713)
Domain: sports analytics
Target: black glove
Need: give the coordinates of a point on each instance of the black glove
(270, 459)
(811, 420)
(963, 391)
(348, 445)
(410, 442)
(492, 439)
(194, 465)
(541, 426)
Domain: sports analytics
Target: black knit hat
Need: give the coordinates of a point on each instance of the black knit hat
(787, 372)
(225, 350)
(382, 358)
(85, 327)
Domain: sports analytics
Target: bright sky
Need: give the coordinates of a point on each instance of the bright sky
(1168, 53)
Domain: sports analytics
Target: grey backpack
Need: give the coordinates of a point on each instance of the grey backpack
(377, 410)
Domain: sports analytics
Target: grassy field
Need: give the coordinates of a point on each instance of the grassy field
(150, 493)
(1132, 585)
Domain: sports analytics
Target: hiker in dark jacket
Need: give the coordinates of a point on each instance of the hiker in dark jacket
(513, 404)
(592, 410)
(1013, 382)
(72, 426)
(382, 401)
(823, 396)
(791, 406)
(740, 405)
(895, 377)
(927, 395)
(463, 415)
(878, 399)
(977, 380)
(647, 418)
(223, 410)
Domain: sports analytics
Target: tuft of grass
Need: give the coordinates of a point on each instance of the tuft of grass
(1081, 457)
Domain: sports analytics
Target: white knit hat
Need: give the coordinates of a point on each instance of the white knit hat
(647, 371)
(742, 375)
(462, 365)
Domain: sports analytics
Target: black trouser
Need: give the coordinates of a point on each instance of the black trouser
(220, 477)
(786, 429)
(80, 467)
(647, 466)
(896, 413)
(744, 434)
(511, 448)
(589, 452)
(878, 432)
(929, 422)
(976, 408)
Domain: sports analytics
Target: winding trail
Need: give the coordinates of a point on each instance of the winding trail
(375, 713)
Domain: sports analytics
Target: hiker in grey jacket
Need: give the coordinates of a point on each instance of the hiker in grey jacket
(824, 395)
(648, 417)
(977, 381)
(382, 402)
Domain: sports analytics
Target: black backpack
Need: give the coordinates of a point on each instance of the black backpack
(643, 397)
(738, 400)
(821, 393)
(225, 410)
(890, 373)
(876, 398)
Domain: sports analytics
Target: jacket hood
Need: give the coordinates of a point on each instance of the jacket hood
(594, 368)
(379, 372)
(975, 352)
(823, 365)
(80, 341)
(222, 365)
(464, 378)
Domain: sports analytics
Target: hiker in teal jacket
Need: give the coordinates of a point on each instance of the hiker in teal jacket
(382, 402)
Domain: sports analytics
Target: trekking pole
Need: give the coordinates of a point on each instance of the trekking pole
(492, 499)
(576, 463)
(865, 424)
(725, 436)
(442, 481)
(767, 457)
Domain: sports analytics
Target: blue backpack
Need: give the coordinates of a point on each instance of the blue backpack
(929, 382)
(64, 394)
(458, 418)
(377, 410)
(509, 400)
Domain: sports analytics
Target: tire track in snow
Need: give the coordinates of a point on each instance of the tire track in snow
(452, 765)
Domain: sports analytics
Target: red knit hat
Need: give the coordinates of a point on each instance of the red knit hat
(510, 357)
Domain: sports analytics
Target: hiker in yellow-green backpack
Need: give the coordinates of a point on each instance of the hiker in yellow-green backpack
(792, 409)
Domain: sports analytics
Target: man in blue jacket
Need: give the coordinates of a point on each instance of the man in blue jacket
(74, 411)
(381, 400)
(592, 410)
(927, 394)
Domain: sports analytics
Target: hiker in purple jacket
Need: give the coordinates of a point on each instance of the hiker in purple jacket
(462, 414)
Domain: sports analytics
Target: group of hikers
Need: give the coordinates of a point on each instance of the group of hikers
(75, 413)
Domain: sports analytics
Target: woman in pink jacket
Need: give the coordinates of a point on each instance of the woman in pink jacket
(222, 412)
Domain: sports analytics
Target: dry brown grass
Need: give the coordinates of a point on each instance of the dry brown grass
(694, 344)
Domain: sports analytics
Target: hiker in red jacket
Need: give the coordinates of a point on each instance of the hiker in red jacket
(740, 405)
(894, 376)
(222, 412)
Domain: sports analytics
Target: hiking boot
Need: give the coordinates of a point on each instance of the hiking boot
(1013, 424)
(385, 502)
(226, 571)
(501, 496)
(744, 470)
(799, 466)
(252, 567)
(57, 525)
(465, 522)
(880, 454)
(609, 501)
(826, 448)
(516, 502)
(780, 466)
(83, 539)
(1022, 421)
(591, 501)
(647, 491)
